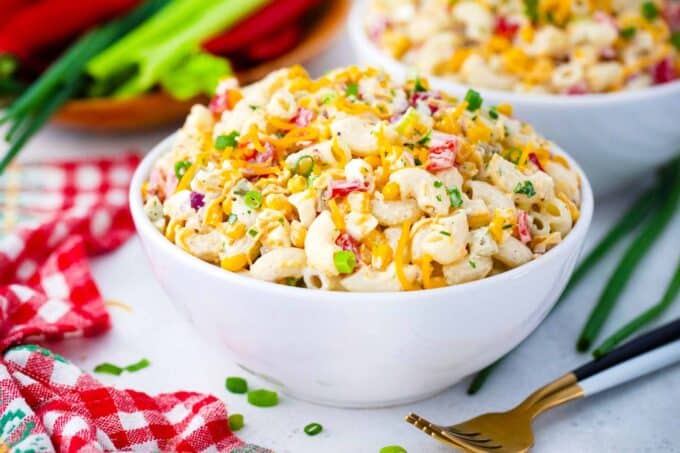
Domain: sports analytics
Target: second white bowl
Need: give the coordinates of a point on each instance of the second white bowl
(615, 137)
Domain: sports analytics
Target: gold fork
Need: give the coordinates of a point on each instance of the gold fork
(510, 432)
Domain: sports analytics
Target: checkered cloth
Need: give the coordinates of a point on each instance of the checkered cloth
(47, 293)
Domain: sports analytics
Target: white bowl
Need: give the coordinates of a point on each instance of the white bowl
(615, 137)
(359, 349)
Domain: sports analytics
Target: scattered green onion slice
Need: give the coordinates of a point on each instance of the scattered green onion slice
(493, 114)
(352, 90)
(253, 199)
(649, 10)
(304, 166)
(252, 232)
(473, 99)
(472, 264)
(144, 363)
(313, 429)
(235, 422)
(526, 187)
(445, 233)
(345, 261)
(229, 140)
(438, 184)
(426, 138)
(263, 398)
(236, 384)
(531, 10)
(393, 449)
(455, 197)
(419, 87)
(181, 168)
(108, 368)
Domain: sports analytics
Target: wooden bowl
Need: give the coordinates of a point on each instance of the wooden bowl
(159, 109)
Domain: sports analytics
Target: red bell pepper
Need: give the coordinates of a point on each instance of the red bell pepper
(340, 188)
(9, 8)
(270, 19)
(274, 45)
(45, 23)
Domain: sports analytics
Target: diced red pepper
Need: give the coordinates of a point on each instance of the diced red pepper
(443, 156)
(264, 157)
(428, 97)
(341, 188)
(348, 243)
(225, 100)
(577, 89)
(664, 71)
(523, 228)
(504, 27)
(534, 159)
(303, 117)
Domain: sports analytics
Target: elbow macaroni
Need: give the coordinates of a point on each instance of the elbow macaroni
(324, 186)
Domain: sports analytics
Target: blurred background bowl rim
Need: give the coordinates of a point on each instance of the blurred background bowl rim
(151, 234)
(362, 44)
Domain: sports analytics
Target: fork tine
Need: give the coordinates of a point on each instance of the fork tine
(451, 434)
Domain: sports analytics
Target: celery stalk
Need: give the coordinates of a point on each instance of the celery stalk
(163, 52)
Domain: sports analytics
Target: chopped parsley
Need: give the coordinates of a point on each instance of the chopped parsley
(455, 197)
(675, 40)
(526, 187)
(229, 140)
(419, 87)
(352, 90)
(649, 10)
(628, 32)
(531, 10)
(473, 99)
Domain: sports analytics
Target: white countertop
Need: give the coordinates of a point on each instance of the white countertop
(643, 416)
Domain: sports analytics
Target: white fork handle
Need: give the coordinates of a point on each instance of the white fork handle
(632, 369)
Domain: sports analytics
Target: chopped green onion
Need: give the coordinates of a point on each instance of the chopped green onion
(393, 449)
(445, 233)
(472, 264)
(236, 384)
(232, 218)
(628, 32)
(438, 184)
(253, 199)
(252, 232)
(455, 197)
(304, 169)
(526, 187)
(473, 99)
(236, 422)
(345, 261)
(144, 363)
(263, 398)
(352, 90)
(649, 10)
(507, 226)
(253, 107)
(417, 161)
(313, 429)
(229, 140)
(493, 114)
(108, 368)
(181, 167)
(328, 97)
(675, 40)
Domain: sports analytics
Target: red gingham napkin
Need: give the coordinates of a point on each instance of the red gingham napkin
(47, 293)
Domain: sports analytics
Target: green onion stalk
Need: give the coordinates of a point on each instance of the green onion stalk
(633, 217)
(652, 230)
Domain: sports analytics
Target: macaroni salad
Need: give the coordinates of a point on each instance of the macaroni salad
(542, 46)
(353, 182)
